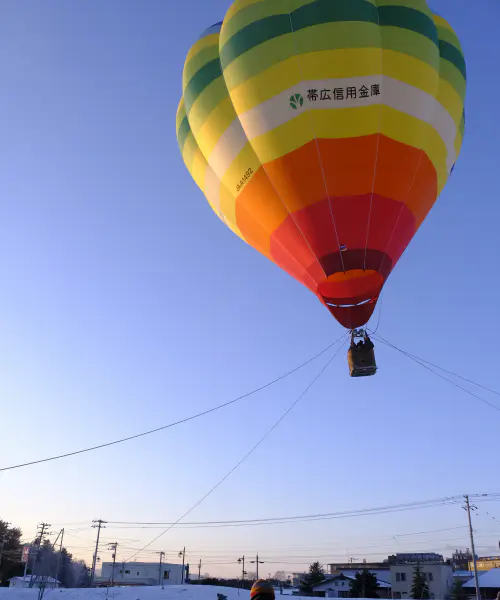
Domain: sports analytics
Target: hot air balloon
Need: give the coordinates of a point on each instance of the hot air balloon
(322, 132)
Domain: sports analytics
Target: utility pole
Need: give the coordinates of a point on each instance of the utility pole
(183, 554)
(61, 533)
(199, 571)
(99, 523)
(257, 562)
(242, 562)
(113, 546)
(468, 507)
(160, 574)
(41, 532)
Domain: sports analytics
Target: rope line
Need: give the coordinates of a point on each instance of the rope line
(422, 363)
(175, 423)
(248, 454)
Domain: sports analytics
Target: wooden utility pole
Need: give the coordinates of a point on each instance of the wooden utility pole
(41, 532)
(471, 533)
(257, 562)
(160, 574)
(113, 546)
(61, 533)
(99, 523)
(183, 554)
(242, 563)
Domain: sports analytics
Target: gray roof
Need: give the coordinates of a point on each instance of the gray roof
(490, 579)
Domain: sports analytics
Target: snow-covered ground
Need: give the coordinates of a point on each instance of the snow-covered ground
(171, 592)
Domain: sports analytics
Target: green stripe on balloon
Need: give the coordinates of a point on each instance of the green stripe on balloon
(201, 80)
(322, 12)
(453, 55)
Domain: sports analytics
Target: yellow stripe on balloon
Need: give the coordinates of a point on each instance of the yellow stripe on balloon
(440, 22)
(335, 64)
(181, 113)
(200, 59)
(243, 161)
(202, 44)
(448, 97)
(214, 125)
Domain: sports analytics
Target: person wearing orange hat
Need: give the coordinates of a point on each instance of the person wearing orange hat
(262, 590)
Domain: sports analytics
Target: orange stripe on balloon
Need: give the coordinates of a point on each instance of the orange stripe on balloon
(259, 212)
(298, 178)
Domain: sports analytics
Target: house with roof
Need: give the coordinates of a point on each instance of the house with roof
(339, 586)
(465, 576)
(489, 584)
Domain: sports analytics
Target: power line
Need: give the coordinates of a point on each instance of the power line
(288, 521)
(422, 363)
(240, 462)
(175, 423)
(430, 531)
(227, 551)
(335, 554)
(285, 522)
(332, 552)
(489, 515)
(340, 514)
(332, 548)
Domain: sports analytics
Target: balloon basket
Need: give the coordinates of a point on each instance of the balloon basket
(361, 355)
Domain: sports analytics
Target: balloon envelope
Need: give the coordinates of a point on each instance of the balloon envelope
(322, 133)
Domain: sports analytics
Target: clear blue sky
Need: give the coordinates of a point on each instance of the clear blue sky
(105, 244)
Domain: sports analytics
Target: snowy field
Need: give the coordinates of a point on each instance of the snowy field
(171, 592)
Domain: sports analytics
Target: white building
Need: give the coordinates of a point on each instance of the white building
(24, 582)
(140, 573)
(439, 577)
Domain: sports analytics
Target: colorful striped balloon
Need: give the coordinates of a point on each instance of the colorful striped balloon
(322, 132)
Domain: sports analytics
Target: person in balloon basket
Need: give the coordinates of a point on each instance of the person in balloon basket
(262, 590)
(365, 344)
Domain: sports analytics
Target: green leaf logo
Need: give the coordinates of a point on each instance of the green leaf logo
(296, 101)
